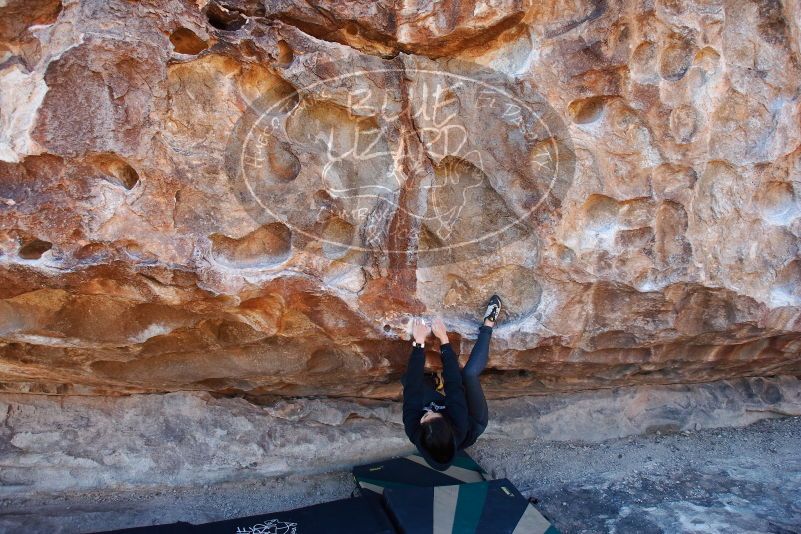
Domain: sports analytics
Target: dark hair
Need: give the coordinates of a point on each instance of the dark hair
(437, 439)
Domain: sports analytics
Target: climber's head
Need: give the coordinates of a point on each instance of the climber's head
(437, 437)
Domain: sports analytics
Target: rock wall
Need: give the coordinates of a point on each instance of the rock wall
(254, 197)
(50, 444)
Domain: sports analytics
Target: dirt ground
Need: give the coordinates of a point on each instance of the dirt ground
(725, 480)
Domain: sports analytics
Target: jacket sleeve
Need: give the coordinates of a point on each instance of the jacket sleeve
(413, 393)
(455, 399)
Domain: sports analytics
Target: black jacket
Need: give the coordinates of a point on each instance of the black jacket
(418, 394)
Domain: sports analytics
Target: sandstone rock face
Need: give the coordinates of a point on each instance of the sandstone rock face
(254, 197)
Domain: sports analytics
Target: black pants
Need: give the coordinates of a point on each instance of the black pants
(476, 401)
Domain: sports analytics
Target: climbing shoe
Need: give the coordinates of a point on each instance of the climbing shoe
(493, 309)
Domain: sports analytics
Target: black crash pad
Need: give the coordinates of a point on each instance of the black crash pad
(493, 506)
(413, 470)
(346, 516)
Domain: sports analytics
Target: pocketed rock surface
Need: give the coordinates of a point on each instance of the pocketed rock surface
(253, 198)
(218, 217)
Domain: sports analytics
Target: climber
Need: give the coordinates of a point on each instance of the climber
(438, 422)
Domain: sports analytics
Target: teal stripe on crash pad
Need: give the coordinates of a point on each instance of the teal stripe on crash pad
(469, 507)
(552, 530)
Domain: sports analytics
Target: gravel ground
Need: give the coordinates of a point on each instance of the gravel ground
(725, 480)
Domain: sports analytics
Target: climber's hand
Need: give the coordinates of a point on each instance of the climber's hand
(420, 330)
(438, 327)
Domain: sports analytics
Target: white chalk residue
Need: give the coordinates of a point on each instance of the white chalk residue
(21, 94)
(151, 331)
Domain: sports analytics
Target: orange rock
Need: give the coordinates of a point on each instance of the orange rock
(257, 197)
